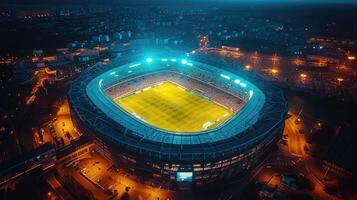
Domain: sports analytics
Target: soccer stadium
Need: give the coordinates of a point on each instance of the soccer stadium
(177, 117)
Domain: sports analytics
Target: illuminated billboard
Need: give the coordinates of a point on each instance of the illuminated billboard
(184, 176)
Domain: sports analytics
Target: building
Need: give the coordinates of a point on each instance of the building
(190, 158)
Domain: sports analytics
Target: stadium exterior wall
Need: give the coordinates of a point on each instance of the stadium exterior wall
(207, 171)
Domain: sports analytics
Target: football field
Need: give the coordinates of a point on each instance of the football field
(170, 107)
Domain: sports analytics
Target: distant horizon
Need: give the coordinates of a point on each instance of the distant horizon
(173, 2)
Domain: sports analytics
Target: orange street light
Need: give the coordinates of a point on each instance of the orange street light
(303, 76)
(247, 67)
(297, 61)
(351, 58)
(274, 71)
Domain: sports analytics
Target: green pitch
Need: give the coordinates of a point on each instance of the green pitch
(170, 107)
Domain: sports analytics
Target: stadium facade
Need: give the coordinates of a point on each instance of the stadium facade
(207, 156)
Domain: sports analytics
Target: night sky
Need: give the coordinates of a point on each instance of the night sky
(177, 1)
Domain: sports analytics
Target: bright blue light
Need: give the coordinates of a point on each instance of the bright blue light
(237, 81)
(243, 85)
(173, 60)
(183, 61)
(184, 176)
(164, 59)
(225, 76)
(149, 60)
(190, 64)
(135, 65)
(112, 73)
(250, 93)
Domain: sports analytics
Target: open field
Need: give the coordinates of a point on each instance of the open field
(170, 107)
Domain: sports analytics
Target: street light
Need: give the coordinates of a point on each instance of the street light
(274, 71)
(297, 61)
(303, 76)
(351, 58)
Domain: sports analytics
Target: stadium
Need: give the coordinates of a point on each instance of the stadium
(178, 118)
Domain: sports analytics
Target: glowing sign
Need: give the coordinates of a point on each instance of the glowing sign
(184, 176)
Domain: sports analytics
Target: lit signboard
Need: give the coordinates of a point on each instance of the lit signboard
(184, 176)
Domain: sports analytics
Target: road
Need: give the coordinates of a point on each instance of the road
(296, 140)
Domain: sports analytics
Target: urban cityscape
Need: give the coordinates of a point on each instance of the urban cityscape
(178, 100)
